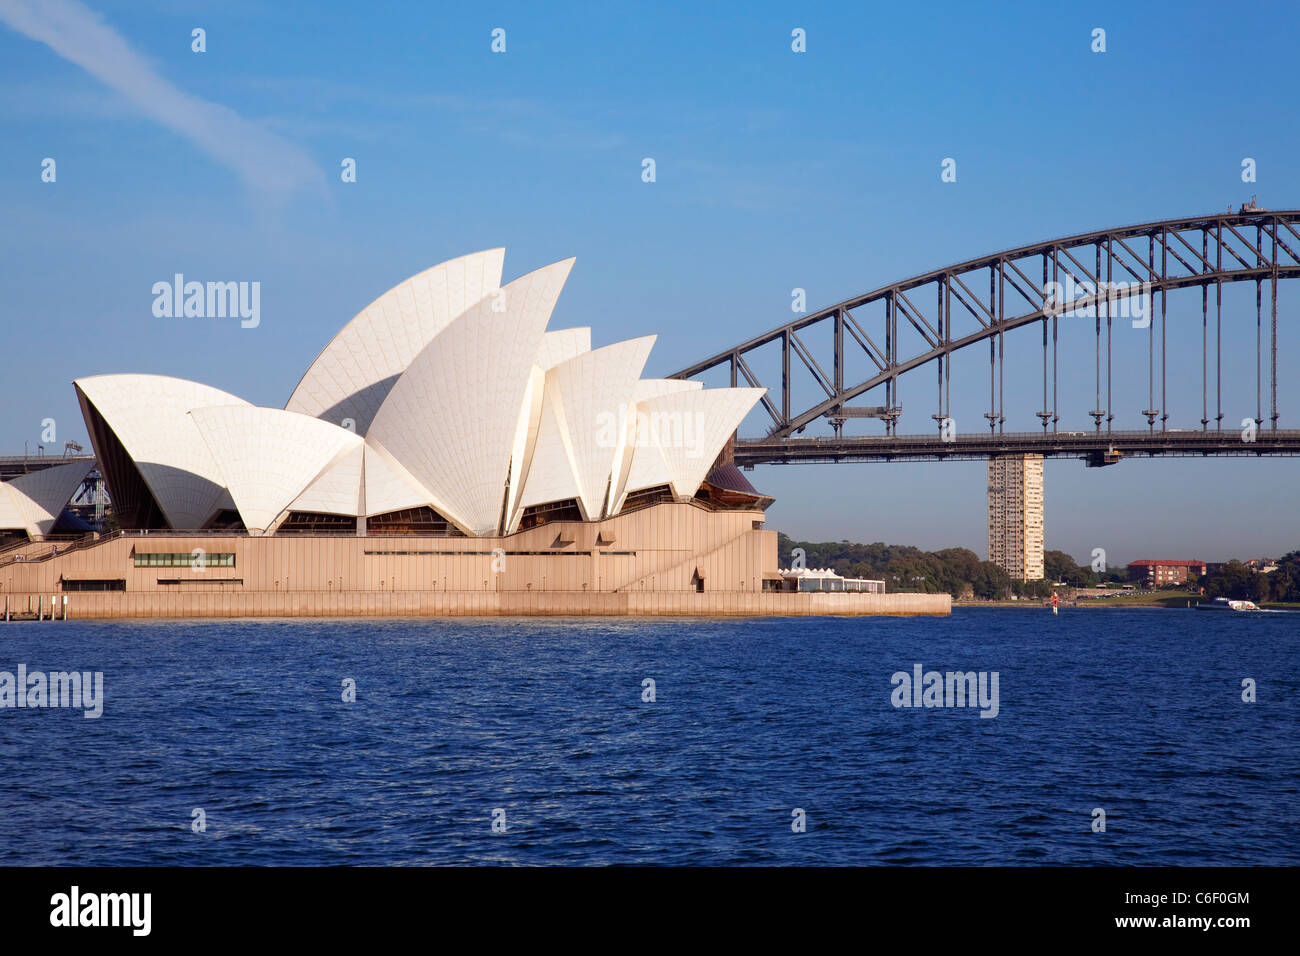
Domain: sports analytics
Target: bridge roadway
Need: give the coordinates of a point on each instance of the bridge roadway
(11, 466)
(1094, 447)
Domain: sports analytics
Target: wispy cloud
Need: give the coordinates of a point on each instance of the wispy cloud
(388, 114)
(266, 162)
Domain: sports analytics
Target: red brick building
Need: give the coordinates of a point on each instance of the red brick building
(1163, 572)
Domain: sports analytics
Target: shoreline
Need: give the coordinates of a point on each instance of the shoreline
(1105, 604)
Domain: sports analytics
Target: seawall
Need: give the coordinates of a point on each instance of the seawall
(118, 604)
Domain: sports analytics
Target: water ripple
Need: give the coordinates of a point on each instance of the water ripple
(458, 722)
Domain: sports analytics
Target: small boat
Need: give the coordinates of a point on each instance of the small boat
(1227, 604)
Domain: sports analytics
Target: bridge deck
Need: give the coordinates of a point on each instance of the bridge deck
(11, 466)
(1092, 446)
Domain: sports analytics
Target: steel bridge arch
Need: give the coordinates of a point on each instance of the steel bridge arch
(1227, 253)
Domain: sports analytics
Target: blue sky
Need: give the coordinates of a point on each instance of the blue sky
(775, 170)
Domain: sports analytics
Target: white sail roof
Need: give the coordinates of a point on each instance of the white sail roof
(582, 431)
(644, 466)
(452, 418)
(34, 501)
(561, 345)
(13, 516)
(268, 456)
(458, 398)
(557, 346)
(389, 486)
(691, 427)
(354, 373)
(337, 490)
(551, 473)
(525, 443)
(147, 413)
(648, 388)
(679, 435)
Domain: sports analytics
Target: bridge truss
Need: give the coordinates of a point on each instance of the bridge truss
(1023, 288)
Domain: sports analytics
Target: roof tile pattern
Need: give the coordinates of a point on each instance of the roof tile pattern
(33, 502)
(689, 428)
(337, 490)
(269, 456)
(562, 345)
(354, 373)
(586, 403)
(389, 486)
(451, 418)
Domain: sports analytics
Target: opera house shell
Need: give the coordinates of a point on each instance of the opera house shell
(446, 407)
(446, 452)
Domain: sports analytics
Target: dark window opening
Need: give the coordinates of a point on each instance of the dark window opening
(422, 520)
(199, 581)
(646, 497)
(566, 510)
(227, 519)
(95, 584)
(311, 522)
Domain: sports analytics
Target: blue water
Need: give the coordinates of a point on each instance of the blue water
(1136, 712)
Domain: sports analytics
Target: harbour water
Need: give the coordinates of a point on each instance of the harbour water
(545, 726)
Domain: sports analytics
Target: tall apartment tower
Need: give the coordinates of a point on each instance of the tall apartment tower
(1016, 515)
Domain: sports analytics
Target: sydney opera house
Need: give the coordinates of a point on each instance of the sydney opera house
(446, 453)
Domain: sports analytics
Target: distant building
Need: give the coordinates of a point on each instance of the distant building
(1016, 515)
(1262, 565)
(1163, 572)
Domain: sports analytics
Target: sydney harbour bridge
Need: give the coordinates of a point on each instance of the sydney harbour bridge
(1126, 280)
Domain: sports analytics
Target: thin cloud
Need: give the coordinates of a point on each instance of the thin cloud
(517, 121)
(264, 161)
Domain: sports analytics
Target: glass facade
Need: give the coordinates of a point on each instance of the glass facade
(182, 559)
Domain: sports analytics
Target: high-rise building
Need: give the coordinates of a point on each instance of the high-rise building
(1016, 515)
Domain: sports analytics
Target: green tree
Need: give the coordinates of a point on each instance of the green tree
(1230, 581)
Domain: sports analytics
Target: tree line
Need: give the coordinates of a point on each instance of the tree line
(1241, 582)
(961, 573)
